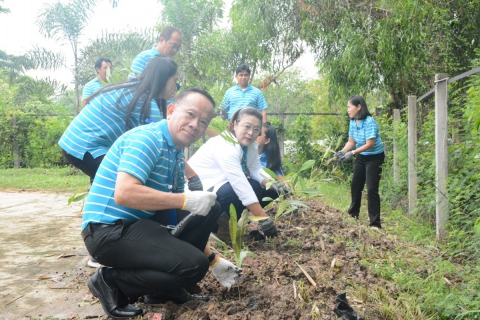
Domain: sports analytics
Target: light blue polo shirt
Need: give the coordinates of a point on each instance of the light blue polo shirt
(147, 153)
(236, 98)
(91, 87)
(366, 129)
(101, 122)
(141, 60)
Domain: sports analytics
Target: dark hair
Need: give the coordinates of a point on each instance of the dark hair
(98, 63)
(240, 113)
(182, 95)
(272, 149)
(146, 88)
(242, 67)
(363, 113)
(168, 32)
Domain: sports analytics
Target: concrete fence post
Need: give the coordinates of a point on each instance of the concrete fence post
(412, 153)
(15, 149)
(441, 153)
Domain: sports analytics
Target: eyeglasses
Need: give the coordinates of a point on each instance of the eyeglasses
(174, 46)
(249, 128)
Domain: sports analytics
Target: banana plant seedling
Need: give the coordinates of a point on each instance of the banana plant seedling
(237, 231)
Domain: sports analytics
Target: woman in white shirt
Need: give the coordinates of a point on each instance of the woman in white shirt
(233, 169)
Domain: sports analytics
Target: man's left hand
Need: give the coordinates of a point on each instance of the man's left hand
(226, 272)
(195, 184)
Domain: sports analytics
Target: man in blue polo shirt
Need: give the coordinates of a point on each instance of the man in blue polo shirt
(243, 95)
(168, 45)
(101, 66)
(137, 195)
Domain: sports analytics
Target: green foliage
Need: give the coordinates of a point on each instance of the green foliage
(237, 230)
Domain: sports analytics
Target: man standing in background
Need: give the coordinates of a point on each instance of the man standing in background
(168, 45)
(101, 66)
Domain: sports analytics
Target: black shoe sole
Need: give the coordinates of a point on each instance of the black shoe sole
(96, 294)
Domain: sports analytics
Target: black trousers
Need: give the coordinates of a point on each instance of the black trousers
(146, 259)
(226, 196)
(367, 169)
(88, 165)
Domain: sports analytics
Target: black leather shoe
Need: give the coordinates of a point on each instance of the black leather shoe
(114, 302)
(177, 297)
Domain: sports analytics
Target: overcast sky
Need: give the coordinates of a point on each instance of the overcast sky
(19, 32)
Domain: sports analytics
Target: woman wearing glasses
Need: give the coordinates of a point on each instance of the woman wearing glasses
(232, 167)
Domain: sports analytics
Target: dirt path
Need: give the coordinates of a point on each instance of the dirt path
(42, 258)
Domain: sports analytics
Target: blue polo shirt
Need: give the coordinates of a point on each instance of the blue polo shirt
(365, 130)
(101, 122)
(147, 153)
(141, 60)
(236, 98)
(264, 163)
(91, 87)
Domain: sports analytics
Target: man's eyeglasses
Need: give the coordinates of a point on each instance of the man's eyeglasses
(174, 46)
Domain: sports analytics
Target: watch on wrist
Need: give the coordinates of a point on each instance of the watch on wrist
(353, 152)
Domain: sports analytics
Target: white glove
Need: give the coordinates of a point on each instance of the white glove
(226, 272)
(200, 202)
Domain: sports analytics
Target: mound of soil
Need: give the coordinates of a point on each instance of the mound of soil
(323, 242)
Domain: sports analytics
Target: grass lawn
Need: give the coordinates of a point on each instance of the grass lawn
(65, 180)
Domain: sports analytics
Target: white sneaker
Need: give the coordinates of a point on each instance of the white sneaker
(93, 263)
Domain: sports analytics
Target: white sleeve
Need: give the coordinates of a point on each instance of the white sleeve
(229, 159)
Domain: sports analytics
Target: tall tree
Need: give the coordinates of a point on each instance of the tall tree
(393, 45)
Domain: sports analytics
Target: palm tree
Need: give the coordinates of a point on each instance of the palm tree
(65, 23)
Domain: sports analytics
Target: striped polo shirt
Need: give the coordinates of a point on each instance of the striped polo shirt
(147, 153)
(91, 87)
(141, 60)
(236, 98)
(101, 122)
(366, 129)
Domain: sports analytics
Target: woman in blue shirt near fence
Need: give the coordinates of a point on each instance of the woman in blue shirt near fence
(365, 143)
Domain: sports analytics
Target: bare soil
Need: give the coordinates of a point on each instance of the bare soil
(43, 273)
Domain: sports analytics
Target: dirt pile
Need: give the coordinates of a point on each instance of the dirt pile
(317, 240)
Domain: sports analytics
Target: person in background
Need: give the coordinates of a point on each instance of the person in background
(137, 193)
(169, 43)
(242, 95)
(270, 158)
(234, 171)
(365, 144)
(101, 67)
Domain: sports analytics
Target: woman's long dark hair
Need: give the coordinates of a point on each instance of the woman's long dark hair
(146, 88)
(272, 149)
(358, 100)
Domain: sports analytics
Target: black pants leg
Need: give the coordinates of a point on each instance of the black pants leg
(356, 186)
(146, 259)
(226, 196)
(88, 165)
(367, 169)
(373, 172)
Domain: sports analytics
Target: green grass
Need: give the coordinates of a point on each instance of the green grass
(65, 180)
(432, 283)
